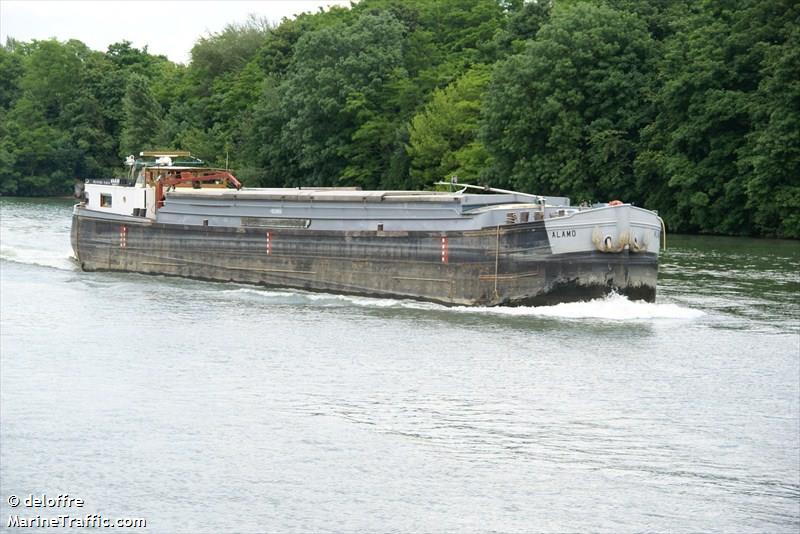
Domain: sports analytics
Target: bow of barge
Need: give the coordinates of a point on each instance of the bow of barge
(489, 248)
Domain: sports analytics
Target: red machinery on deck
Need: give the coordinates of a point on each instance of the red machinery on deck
(195, 177)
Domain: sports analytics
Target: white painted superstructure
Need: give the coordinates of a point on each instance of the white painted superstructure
(138, 200)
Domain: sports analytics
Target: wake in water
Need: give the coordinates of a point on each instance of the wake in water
(611, 308)
(36, 233)
(37, 248)
(57, 259)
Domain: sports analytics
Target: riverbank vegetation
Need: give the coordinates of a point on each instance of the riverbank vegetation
(689, 108)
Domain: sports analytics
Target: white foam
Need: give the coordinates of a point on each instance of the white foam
(57, 259)
(263, 292)
(372, 302)
(612, 308)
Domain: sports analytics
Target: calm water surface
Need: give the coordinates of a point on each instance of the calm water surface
(206, 407)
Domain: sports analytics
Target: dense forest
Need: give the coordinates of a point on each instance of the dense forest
(688, 107)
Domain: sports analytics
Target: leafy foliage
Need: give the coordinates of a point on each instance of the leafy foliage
(689, 108)
(326, 116)
(564, 115)
(142, 120)
(721, 155)
(443, 138)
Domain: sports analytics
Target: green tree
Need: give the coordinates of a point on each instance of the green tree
(523, 23)
(722, 153)
(664, 18)
(227, 51)
(325, 120)
(770, 159)
(771, 155)
(444, 136)
(54, 74)
(564, 115)
(689, 108)
(11, 71)
(39, 152)
(54, 131)
(143, 117)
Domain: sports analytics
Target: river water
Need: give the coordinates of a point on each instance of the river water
(208, 407)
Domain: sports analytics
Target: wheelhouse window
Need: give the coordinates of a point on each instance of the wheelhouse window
(105, 201)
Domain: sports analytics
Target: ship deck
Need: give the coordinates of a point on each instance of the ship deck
(350, 195)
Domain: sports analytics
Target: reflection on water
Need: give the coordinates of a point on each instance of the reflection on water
(745, 279)
(208, 406)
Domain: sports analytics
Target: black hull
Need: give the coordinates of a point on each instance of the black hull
(496, 266)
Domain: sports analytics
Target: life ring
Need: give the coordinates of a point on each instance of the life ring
(615, 203)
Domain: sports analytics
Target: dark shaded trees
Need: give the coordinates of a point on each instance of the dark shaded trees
(564, 115)
(53, 131)
(338, 108)
(689, 108)
(721, 154)
(325, 123)
(770, 159)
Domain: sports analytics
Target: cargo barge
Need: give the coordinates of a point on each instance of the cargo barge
(175, 216)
